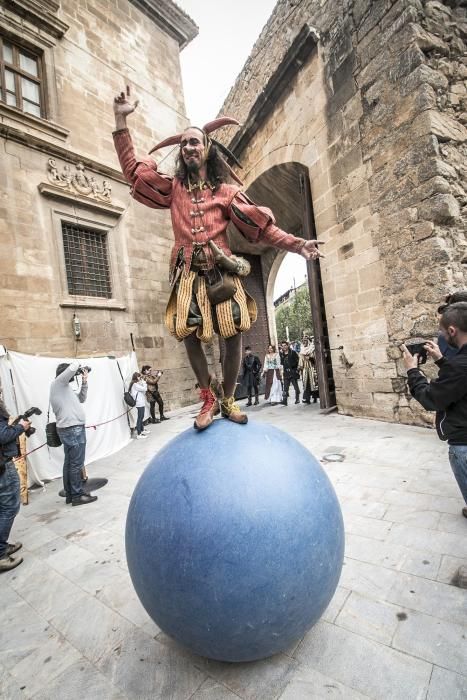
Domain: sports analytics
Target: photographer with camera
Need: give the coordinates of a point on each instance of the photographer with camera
(151, 377)
(9, 486)
(447, 394)
(70, 417)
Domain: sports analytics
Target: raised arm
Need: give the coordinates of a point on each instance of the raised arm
(82, 396)
(149, 187)
(8, 433)
(258, 224)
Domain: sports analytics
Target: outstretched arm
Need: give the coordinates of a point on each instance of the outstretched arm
(149, 187)
(258, 224)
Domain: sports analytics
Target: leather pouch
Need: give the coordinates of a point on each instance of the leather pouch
(220, 285)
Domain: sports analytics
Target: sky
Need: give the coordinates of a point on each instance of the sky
(210, 65)
(211, 62)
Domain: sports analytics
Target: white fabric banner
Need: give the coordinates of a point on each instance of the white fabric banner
(32, 377)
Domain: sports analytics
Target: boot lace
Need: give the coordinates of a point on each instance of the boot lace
(208, 399)
(229, 406)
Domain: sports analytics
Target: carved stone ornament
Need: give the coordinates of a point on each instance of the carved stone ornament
(78, 181)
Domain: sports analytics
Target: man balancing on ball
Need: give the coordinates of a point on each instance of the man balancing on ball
(207, 293)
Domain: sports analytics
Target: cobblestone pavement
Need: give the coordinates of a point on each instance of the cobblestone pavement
(72, 626)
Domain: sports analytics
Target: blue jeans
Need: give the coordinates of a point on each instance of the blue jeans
(139, 422)
(74, 445)
(458, 461)
(9, 503)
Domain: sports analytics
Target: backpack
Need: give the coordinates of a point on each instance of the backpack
(129, 400)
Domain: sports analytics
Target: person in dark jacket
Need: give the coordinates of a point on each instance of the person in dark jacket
(251, 374)
(289, 362)
(447, 394)
(9, 487)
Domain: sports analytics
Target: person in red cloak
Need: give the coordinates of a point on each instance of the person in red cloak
(207, 294)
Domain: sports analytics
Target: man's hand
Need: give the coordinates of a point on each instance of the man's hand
(26, 424)
(84, 376)
(122, 108)
(310, 250)
(433, 350)
(410, 361)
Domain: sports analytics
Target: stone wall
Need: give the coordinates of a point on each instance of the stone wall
(377, 115)
(93, 51)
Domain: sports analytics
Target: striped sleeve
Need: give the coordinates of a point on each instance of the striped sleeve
(148, 186)
(258, 224)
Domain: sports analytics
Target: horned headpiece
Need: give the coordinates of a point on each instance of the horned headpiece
(208, 129)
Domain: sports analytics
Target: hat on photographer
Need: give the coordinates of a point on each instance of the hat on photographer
(61, 368)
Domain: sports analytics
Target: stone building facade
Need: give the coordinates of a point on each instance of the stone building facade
(368, 100)
(74, 244)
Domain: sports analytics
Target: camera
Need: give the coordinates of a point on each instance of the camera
(25, 416)
(82, 370)
(418, 349)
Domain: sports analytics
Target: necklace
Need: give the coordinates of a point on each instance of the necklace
(199, 185)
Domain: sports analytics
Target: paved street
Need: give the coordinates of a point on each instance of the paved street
(72, 627)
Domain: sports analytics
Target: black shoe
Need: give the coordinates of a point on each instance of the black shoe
(154, 420)
(305, 400)
(284, 402)
(83, 499)
(68, 500)
(249, 403)
(297, 400)
(12, 548)
(163, 418)
(256, 402)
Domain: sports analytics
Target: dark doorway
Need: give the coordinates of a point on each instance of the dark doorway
(285, 189)
(258, 335)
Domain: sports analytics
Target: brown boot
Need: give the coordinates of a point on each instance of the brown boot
(209, 409)
(231, 410)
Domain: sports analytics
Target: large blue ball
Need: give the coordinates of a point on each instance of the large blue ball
(235, 540)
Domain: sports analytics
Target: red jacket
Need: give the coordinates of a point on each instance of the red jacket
(227, 203)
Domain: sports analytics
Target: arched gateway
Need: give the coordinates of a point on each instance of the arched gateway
(359, 99)
(285, 188)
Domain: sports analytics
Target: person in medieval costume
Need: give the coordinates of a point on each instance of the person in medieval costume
(207, 294)
(272, 374)
(251, 375)
(307, 367)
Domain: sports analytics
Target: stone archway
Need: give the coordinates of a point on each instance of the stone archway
(281, 188)
(270, 284)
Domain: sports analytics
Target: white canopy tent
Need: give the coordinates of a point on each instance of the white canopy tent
(25, 381)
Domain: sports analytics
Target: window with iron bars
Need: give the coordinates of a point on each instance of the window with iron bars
(21, 78)
(86, 261)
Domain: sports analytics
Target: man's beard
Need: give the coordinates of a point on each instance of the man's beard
(193, 168)
(451, 342)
